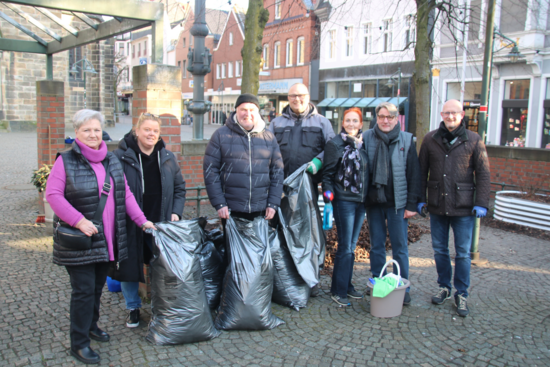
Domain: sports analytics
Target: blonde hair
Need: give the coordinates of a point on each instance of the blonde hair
(146, 117)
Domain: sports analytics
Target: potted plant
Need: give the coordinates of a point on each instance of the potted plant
(525, 207)
(39, 179)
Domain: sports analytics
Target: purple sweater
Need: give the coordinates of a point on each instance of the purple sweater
(55, 195)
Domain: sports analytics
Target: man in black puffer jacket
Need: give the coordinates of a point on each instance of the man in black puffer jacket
(243, 167)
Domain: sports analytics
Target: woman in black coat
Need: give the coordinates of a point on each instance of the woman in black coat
(345, 177)
(155, 179)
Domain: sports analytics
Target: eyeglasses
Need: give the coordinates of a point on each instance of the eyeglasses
(147, 114)
(384, 118)
(294, 96)
(451, 113)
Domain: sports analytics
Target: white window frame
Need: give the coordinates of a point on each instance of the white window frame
(387, 35)
(230, 70)
(348, 41)
(278, 9)
(300, 51)
(230, 38)
(410, 30)
(218, 72)
(277, 55)
(289, 46)
(223, 71)
(367, 38)
(332, 44)
(265, 56)
(237, 69)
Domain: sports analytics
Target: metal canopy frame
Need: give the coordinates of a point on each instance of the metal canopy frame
(126, 18)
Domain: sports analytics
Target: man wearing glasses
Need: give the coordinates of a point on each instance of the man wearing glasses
(455, 172)
(393, 191)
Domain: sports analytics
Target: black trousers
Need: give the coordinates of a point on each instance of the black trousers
(87, 282)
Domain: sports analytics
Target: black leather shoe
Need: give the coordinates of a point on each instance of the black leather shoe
(86, 355)
(99, 335)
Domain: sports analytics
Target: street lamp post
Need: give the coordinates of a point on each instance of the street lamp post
(514, 55)
(86, 67)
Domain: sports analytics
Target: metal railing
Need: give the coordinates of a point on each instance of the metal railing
(197, 198)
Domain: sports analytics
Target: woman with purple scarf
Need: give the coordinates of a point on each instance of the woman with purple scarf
(75, 186)
(345, 178)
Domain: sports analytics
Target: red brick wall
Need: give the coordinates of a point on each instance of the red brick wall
(50, 106)
(523, 173)
(191, 168)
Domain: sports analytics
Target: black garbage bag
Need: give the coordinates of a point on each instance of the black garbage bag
(216, 236)
(178, 300)
(213, 270)
(302, 226)
(248, 284)
(289, 289)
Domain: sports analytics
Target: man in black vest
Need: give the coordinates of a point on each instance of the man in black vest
(455, 172)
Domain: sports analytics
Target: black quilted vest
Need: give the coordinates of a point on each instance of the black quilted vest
(82, 192)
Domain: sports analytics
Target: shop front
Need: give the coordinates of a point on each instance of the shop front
(472, 100)
(515, 113)
(274, 93)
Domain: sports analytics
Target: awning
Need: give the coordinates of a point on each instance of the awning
(325, 102)
(337, 102)
(364, 102)
(350, 102)
(401, 100)
(377, 101)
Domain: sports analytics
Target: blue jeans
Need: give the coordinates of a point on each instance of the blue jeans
(349, 217)
(397, 227)
(131, 294)
(462, 229)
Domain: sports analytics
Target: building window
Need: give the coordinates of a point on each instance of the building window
(332, 44)
(121, 49)
(515, 115)
(367, 38)
(184, 71)
(387, 34)
(349, 41)
(230, 70)
(217, 71)
(230, 38)
(145, 48)
(190, 40)
(410, 30)
(139, 49)
(277, 55)
(278, 9)
(266, 56)
(300, 54)
(237, 68)
(289, 44)
(223, 71)
(133, 51)
(183, 42)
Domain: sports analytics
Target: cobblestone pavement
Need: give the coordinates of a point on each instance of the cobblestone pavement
(508, 325)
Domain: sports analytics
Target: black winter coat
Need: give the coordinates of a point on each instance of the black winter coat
(82, 192)
(173, 201)
(334, 151)
(243, 170)
(454, 178)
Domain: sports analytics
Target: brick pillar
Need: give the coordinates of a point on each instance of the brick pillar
(170, 131)
(157, 90)
(50, 107)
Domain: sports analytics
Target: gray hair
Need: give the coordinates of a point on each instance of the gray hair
(83, 116)
(388, 106)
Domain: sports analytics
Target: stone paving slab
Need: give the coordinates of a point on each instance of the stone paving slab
(508, 326)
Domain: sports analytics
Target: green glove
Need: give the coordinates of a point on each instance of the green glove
(314, 166)
(383, 287)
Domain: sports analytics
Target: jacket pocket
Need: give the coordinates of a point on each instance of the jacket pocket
(313, 137)
(433, 193)
(282, 135)
(464, 197)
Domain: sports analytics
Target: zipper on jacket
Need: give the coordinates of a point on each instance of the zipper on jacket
(250, 175)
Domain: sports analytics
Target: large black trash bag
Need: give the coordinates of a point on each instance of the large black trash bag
(213, 270)
(289, 289)
(302, 226)
(248, 284)
(178, 301)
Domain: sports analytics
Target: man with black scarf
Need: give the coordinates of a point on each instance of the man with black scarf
(455, 173)
(394, 189)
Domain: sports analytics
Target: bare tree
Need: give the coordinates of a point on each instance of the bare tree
(120, 70)
(256, 19)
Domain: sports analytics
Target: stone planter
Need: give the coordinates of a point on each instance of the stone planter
(48, 212)
(520, 211)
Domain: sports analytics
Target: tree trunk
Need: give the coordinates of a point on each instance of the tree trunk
(421, 76)
(256, 19)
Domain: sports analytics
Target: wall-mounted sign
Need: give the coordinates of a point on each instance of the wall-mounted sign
(280, 86)
(143, 61)
(191, 83)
